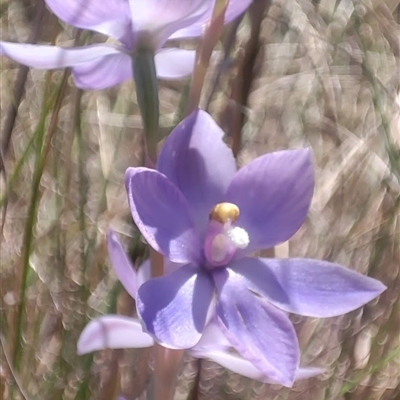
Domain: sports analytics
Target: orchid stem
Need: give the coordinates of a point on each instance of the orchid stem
(167, 363)
(145, 76)
(157, 264)
(204, 51)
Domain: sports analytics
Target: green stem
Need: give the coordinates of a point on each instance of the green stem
(145, 76)
(43, 145)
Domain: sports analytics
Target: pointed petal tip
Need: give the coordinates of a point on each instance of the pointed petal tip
(308, 287)
(308, 372)
(54, 57)
(121, 264)
(188, 159)
(112, 332)
(242, 366)
(111, 235)
(129, 173)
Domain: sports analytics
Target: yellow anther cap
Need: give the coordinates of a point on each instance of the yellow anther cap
(225, 212)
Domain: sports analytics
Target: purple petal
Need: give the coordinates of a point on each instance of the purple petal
(174, 307)
(257, 276)
(50, 57)
(243, 367)
(174, 63)
(113, 332)
(103, 72)
(161, 213)
(312, 288)
(234, 10)
(144, 271)
(260, 332)
(121, 264)
(195, 158)
(161, 18)
(307, 373)
(274, 194)
(170, 266)
(111, 19)
(212, 339)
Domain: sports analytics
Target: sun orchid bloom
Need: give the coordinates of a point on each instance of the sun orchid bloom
(134, 24)
(197, 209)
(118, 332)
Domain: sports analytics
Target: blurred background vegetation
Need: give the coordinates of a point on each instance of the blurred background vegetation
(291, 73)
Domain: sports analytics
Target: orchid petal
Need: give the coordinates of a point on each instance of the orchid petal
(51, 57)
(211, 339)
(170, 266)
(121, 264)
(113, 332)
(243, 367)
(112, 20)
(273, 194)
(256, 276)
(161, 213)
(235, 9)
(103, 72)
(195, 158)
(307, 373)
(144, 271)
(312, 288)
(174, 63)
(259, 332)
(174, 307)
(176, 14)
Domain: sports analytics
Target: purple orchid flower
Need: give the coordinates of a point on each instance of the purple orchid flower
(135, 24)
(118, 332)
(197, 209)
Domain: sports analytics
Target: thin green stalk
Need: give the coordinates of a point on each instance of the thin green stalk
(145, 76)
(18, 168)
(358, 377)
(43, 147)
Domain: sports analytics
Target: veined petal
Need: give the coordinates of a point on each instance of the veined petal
(161, 213)
(174, 63)
(175, 14)
(259, 332)
(113, 332)
(174, 307)
(234, 10)
(312, 288)
(111, 19)
(103, 72)
(273, 194)
(51, 57)
(256, 276)
(195, 158)
(121, 264)
(243, 367)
